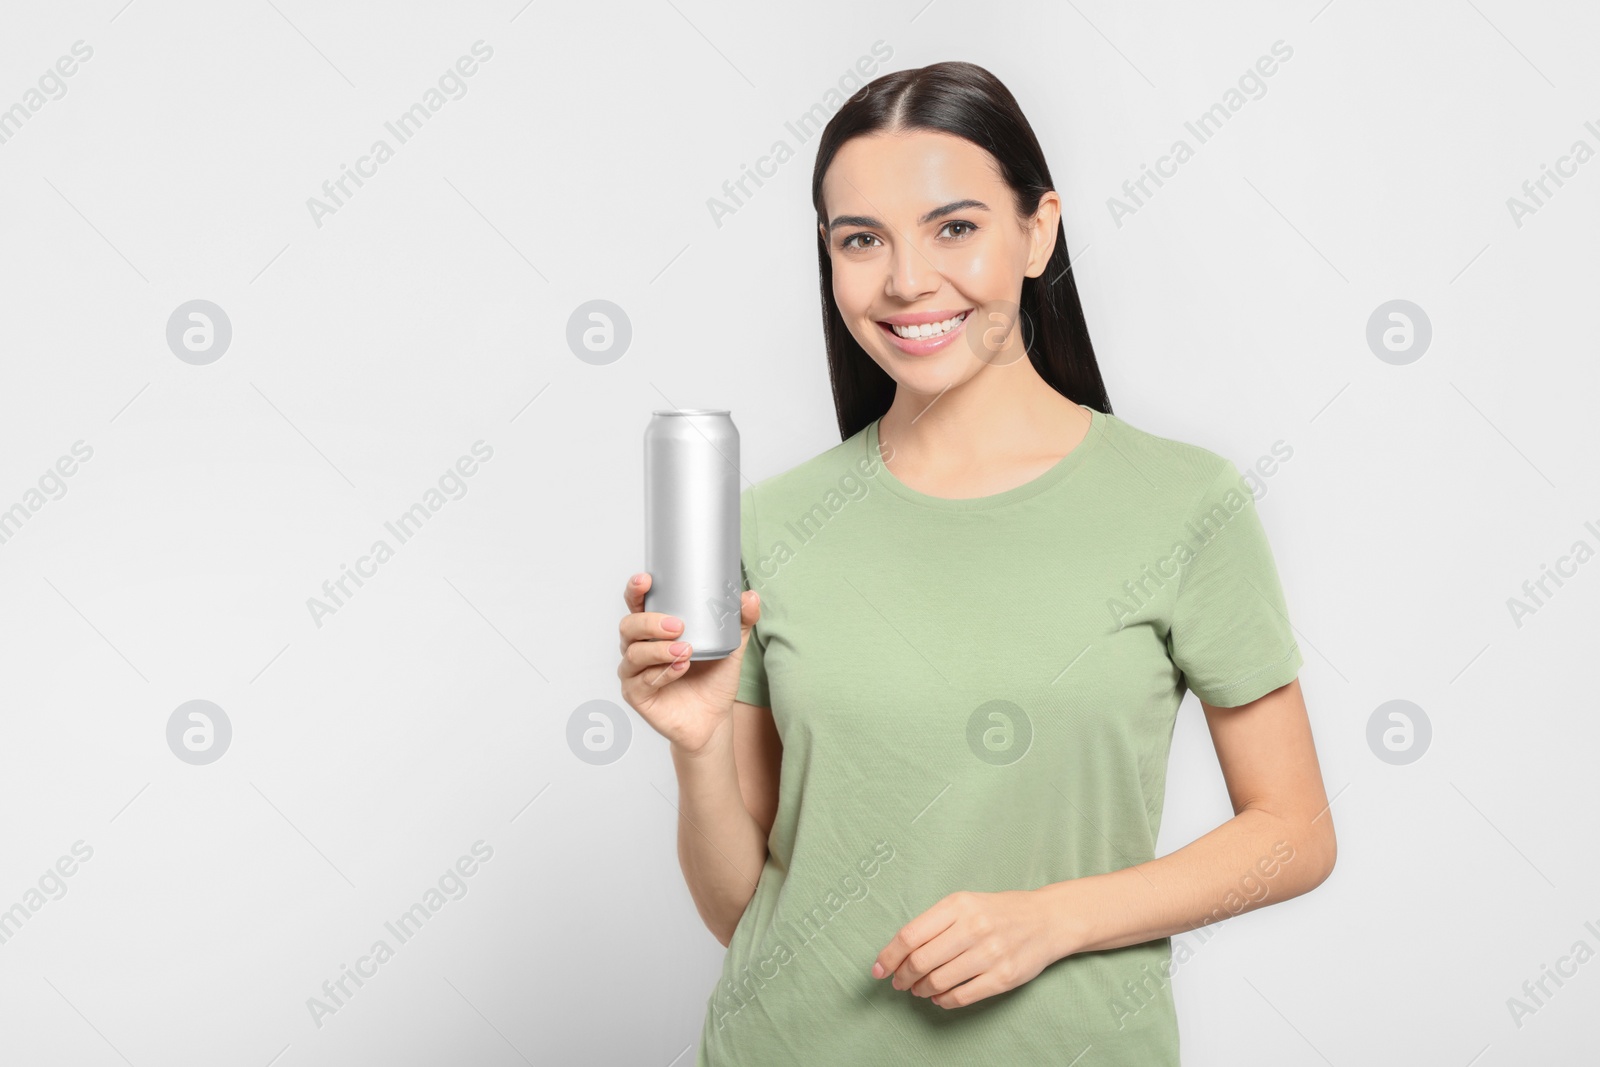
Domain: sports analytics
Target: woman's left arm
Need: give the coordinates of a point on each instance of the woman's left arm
(1280, 838)
(973, 945)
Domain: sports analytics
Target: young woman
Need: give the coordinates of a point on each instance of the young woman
(919, 805)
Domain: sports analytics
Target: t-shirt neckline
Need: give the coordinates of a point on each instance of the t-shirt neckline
(1063, 467)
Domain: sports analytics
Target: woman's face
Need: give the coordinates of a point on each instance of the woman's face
(921, 229)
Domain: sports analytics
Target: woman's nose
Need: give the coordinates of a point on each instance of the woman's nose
(911, 275)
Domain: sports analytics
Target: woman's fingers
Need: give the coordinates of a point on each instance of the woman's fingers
(633, 592)
(647, 627)
(654, 662)
(649, 644)
(641, 625)
(641, 654)
(656, 675)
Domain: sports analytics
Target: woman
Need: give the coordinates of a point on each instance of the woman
(919, 805)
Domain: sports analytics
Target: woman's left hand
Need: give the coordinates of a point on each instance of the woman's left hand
(992, 942)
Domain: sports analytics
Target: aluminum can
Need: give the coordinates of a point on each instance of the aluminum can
(691, 523)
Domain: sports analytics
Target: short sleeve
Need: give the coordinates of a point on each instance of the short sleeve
(1230, 633)
(753, 671)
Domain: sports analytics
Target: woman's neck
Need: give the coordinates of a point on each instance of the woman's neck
(999, 431)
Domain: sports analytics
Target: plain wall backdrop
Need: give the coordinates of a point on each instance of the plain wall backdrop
(380, 346)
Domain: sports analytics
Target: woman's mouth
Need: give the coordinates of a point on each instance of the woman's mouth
(919, 339)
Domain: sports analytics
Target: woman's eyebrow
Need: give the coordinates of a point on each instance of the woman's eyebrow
(936, 213)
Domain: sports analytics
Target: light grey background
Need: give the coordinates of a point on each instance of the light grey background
(430, 312)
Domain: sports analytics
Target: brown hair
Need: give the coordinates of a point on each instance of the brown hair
(965, 100)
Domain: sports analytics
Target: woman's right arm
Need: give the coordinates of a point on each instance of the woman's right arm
(727, 799)
(726, 754)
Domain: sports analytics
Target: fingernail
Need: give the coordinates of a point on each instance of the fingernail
(677, 648)
(671, 623)
(638, 579)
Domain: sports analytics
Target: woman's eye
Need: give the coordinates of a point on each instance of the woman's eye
(850, 243)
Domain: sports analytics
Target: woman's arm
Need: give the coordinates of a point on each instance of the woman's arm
(727, 800)
(1279, 844)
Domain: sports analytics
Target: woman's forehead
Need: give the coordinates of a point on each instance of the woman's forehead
(907, 173)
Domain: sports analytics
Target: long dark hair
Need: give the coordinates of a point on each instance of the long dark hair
(965, 100)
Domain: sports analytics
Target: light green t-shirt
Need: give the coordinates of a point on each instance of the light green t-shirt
(979, 695)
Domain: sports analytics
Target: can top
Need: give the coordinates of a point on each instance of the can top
(692, 411)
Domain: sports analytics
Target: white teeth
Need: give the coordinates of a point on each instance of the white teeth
(928, 329)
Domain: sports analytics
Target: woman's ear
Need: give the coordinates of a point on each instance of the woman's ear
(1045, 225)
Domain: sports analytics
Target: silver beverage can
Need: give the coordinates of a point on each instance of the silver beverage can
(691, 523)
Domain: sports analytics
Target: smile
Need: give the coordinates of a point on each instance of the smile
(928, 329)
(920, 338)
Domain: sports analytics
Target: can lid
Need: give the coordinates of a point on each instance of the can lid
(691, 411)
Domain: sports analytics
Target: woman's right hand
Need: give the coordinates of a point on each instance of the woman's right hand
(684, 701)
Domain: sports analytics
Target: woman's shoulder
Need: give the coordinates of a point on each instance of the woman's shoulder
(839, 468)
(1167, 466)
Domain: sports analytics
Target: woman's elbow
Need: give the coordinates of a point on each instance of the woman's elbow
(1324, 849)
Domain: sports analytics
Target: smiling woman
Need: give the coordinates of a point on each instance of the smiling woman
(899, 222)
(937, 668)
